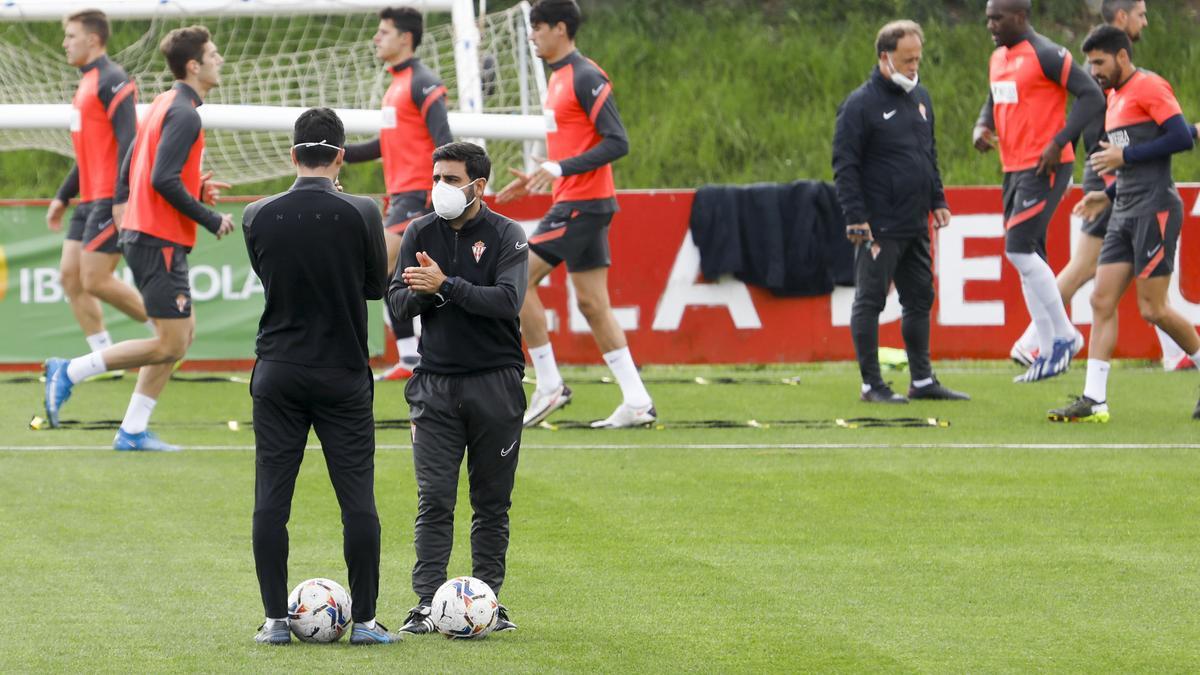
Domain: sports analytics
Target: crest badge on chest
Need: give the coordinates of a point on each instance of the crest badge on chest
(477, 250)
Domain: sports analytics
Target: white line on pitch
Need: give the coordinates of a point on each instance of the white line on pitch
(719, 446)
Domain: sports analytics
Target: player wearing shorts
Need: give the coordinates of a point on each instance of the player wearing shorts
(162, 184)
(415, 122)
(587, 138)
(103, 124)
(1030, 78)
(1145, 126)
(1129, 16)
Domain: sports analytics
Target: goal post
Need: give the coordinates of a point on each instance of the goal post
(281, 58)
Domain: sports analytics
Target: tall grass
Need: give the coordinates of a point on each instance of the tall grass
(739, 91)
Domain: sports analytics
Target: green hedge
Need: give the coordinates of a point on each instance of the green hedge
(739, 91)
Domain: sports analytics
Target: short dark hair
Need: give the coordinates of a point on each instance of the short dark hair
(890, 35)
(553, 12)
(318, 125)
(479, 165)
(406, 20)
(93, 21)
(182, 45)
(1108, 39)
(1109, 9)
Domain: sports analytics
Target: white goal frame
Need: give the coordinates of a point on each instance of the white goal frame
(469, 121)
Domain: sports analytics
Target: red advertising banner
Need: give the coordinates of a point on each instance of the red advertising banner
(671, 315)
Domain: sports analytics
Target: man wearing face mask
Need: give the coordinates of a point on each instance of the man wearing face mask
(321, 256)
(886, 172)
(463, 270)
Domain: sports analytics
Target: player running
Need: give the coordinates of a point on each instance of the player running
(1129, 16)
(1030, 77)
(588, 137)
(103, 124)
(1145, 126)
(415, 122)
(161, 181)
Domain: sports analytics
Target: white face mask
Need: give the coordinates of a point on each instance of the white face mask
(900, 80)
(449, 202)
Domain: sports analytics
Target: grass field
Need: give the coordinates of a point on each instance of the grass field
(997, 543)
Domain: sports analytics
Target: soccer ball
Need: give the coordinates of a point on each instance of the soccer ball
(464, 607)
(319, 610)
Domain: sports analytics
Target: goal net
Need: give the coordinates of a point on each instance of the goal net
(281, 57)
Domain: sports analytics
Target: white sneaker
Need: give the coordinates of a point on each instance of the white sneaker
(627, 416)
(1184, 362)
(1022, 356)
(546, 402)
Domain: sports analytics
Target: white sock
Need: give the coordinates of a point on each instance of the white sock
(922, 383)
(1029, 339)
(1096, 387)
(1171, 352)
(545, 368)
(100, 341)
(866, 387)
(407, 348)
(1043, 324)
(1043, 300)
(369, 625)
(83, 367)
(137, 415)
(276, 623)
(620, 362)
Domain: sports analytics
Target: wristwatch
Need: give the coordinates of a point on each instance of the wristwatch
(447, 288)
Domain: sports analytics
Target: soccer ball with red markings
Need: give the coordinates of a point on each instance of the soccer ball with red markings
(319, 611)
(464, 608)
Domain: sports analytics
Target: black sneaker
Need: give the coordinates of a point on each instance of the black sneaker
(882, 394)
(419, 622)
(1196, 412)
(1082, 409)
(934, 391)
(502, 621)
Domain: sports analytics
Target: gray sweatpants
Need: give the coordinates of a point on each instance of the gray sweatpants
(481, 415)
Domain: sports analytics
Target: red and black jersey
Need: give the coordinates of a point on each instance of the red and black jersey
(1136, 112)
(103, 124)
(415, 123)
(587, 135)
(161, 175)
(1028, 101)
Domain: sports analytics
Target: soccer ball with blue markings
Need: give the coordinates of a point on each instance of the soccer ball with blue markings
(464, 608)
(319, 611)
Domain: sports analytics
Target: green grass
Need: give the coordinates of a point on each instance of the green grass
(743, 91)
(867, 554)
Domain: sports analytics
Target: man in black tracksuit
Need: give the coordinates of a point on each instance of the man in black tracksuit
(463, 270)
(320, 255)
(885, 169)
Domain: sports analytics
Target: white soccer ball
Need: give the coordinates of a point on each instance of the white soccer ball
(319, 610)
(464, 607)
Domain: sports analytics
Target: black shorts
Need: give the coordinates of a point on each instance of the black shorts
(99, 233)
(161, 275)
(1098, 227)
(1146, 241)
(572, 236)
(78, 222)
(1030, 201)
(403, 207)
